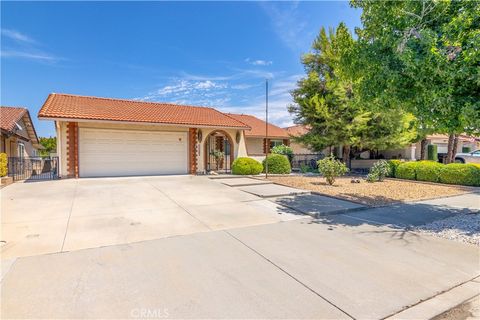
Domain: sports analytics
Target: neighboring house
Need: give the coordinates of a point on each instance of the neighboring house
(256, 143)
(412, 152)
(298, 148)
(18, 136)
(114, 137)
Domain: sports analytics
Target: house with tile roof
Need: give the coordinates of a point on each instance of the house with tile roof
(256, 142)
(17, 133)
(117, 137)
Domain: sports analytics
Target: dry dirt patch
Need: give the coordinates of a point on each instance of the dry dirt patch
(373, 194)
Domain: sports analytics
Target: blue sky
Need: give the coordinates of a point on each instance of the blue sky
(202, 53)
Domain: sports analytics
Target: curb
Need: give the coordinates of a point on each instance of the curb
(441, 302)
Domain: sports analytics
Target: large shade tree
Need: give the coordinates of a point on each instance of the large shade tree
(326, 101)
(424, 54)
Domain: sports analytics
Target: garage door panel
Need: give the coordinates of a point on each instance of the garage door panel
(127, 152)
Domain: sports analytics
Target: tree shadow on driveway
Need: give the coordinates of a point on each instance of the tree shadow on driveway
(398, 219)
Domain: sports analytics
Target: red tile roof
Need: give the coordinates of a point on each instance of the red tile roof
(67, 106)
(297, 130)
(258, 127)
(9, 116)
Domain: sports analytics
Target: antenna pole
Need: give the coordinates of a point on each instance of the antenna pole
(267, 144)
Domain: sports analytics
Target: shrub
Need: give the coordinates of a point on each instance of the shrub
(277, 163)
(246, 166)
(3, 164)
(331, 168)
(379, 171)
(393, 167)
(428, 171)
(406, 170)
(285, 150)
(432, 152)
(459, 173)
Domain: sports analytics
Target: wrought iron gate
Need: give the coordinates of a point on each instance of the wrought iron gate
(21, 168)
(218, 145)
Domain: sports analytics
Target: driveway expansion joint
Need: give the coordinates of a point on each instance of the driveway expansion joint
(69, 215)
(289, 275)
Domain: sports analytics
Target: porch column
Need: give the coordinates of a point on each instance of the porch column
(412, 152)
(192, 150)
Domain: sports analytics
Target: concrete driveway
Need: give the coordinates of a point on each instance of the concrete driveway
(66, 215)
(235, 256)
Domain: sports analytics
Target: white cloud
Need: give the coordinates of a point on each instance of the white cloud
(25, 47)
(288, 23)
(29, 55)
(259, 62)
(181, 91)
(17, 36)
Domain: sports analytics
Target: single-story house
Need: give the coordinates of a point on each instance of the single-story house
(17, 133)
(256, 143)
(465, 144)
(114, 137)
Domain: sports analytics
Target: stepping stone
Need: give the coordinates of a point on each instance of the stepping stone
(316, 205)
(242, 182)
(272, 190)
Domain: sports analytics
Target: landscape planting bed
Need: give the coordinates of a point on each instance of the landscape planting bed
(373, 194)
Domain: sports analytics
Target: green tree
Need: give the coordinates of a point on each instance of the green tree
(326, 101)
(49, 144)
(424, 54)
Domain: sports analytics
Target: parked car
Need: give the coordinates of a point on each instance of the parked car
(470, 157)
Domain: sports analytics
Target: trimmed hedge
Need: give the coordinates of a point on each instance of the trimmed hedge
(277, 163)
(246, 166)
(3, 164)
(407, 170)
(459, 173)
(393, 167)
(453, 173)
(428, 171)
(432, 152)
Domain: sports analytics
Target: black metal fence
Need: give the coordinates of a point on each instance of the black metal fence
(21, 168)
(306, 162)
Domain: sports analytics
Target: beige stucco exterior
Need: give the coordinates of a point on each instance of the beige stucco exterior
(61, 128)
(11, 147)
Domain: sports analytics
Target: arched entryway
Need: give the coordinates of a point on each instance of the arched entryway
(218, 152)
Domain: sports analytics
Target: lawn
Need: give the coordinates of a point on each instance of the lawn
(373, 194)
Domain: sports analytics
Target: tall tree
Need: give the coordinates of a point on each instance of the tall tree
(425, 54)
(49, 144)
(327, 103)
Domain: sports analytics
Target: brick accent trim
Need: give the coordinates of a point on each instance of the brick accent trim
(72, 150)
(192, 150)
(266, 145)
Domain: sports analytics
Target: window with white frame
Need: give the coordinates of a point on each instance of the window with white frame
(274, 143)
(21, 150)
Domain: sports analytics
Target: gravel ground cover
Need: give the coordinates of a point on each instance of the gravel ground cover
(372, 194)
(462, 227)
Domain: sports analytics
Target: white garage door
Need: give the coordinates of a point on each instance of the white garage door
(104, 152)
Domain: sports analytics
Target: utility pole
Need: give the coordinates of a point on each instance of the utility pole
(267, 144)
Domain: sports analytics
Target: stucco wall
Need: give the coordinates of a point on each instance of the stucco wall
(239, 148)
(254, 146)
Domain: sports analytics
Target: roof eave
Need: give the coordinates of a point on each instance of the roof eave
(186, 125)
